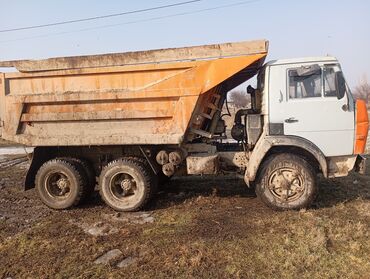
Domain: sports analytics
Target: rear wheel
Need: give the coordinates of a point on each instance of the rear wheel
(286, 181)
(126, 184)
(88, 175)
(153, 181)
(91, 178)
(60, 184)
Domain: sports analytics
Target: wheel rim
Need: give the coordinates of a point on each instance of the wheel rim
(123, 186)
(58, 185)
(286, 184)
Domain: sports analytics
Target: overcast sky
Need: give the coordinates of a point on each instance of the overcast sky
(294, 28)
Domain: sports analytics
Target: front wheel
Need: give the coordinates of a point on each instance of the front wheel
(286, 181)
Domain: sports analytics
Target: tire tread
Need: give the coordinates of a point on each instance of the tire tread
(289, 157)
(69, 165)
(147, 177)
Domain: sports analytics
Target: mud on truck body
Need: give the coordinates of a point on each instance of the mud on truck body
(129, 121)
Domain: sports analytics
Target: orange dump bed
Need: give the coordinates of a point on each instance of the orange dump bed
(163, 96)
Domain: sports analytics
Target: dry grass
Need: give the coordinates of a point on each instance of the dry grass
(204, 228)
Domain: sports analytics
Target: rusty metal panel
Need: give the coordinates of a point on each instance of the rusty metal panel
(141, 57)
(235, 159)
(133, 104)
(202, 164)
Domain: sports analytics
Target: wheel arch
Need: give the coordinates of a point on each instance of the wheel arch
(39, 157)
(270, 145)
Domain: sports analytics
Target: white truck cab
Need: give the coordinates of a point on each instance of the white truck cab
(311, 124)
(303, 100)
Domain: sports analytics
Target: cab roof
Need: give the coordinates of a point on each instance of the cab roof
(324, 59)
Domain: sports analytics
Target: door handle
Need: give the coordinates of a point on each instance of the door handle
(281, 97)
(291, 120)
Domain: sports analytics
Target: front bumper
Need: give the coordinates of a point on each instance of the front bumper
(360, 165)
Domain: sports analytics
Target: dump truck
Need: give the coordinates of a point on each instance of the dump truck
(127, 122)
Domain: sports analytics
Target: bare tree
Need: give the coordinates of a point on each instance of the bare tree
(240, 98)
(362, 90)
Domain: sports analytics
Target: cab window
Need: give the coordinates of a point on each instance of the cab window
(330, 89)
(334, 82)
(305, 82)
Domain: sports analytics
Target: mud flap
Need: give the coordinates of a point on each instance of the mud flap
(360, 165)
(39, 156)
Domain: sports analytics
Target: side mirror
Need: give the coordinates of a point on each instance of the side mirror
(340, 84)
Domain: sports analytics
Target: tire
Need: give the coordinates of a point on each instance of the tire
(153, 181)
(286, 181)
(91, 179)
(60, 184)
(88, 175)
(159, 180)
(126, 184)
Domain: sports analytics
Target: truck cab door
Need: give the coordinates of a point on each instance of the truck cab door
(315, 104)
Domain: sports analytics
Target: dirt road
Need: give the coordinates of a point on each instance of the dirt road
(199, 228)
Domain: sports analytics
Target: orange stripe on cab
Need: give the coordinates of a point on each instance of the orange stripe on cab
(362, 127)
